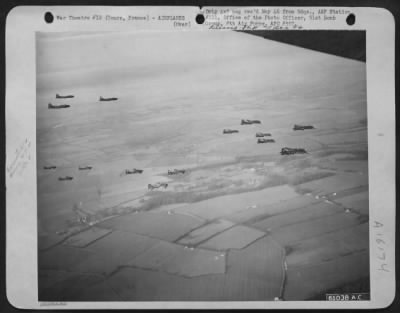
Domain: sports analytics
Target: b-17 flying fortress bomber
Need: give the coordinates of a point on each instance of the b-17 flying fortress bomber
(264, 140)
(157, 185)
(263, 135)
(229, 131)
(64, 97)
(133, 171)
(63, 178)
(175, 172)
(249, 122)
(58, 106)
(287, 151)
(108, 99)
(302, 127)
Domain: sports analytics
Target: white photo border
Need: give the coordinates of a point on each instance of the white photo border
(21, 196)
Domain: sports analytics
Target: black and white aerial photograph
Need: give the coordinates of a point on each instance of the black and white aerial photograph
(201, 165)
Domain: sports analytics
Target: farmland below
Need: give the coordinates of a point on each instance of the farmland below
(241, 222)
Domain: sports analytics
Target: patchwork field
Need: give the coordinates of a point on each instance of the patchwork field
(241, 222)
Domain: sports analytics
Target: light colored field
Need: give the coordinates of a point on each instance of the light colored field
(179, 260)
(300, 231)
(358, 136)
(200, 234)
(170, 207)
(254, 214)
(236, 237)
(227, 205)
(311, 212)
(157, 225)
(345, 192)
(358, 201)
(85, 238)
(348, 166)
(335, 183)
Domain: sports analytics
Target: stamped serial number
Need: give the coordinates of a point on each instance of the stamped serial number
(348, 297)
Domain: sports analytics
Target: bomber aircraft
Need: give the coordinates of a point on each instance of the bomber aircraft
(302, 127)
(249, 122)
(108, 99)
(64, 97)
(62, 178)
(58, 106)
(229, 131)
(287, 151)
(133, 171)
(265, 140)
(176, 171)
(157, 185)
(263, 134)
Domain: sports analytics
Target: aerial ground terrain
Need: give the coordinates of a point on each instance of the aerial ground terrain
(242, 222)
